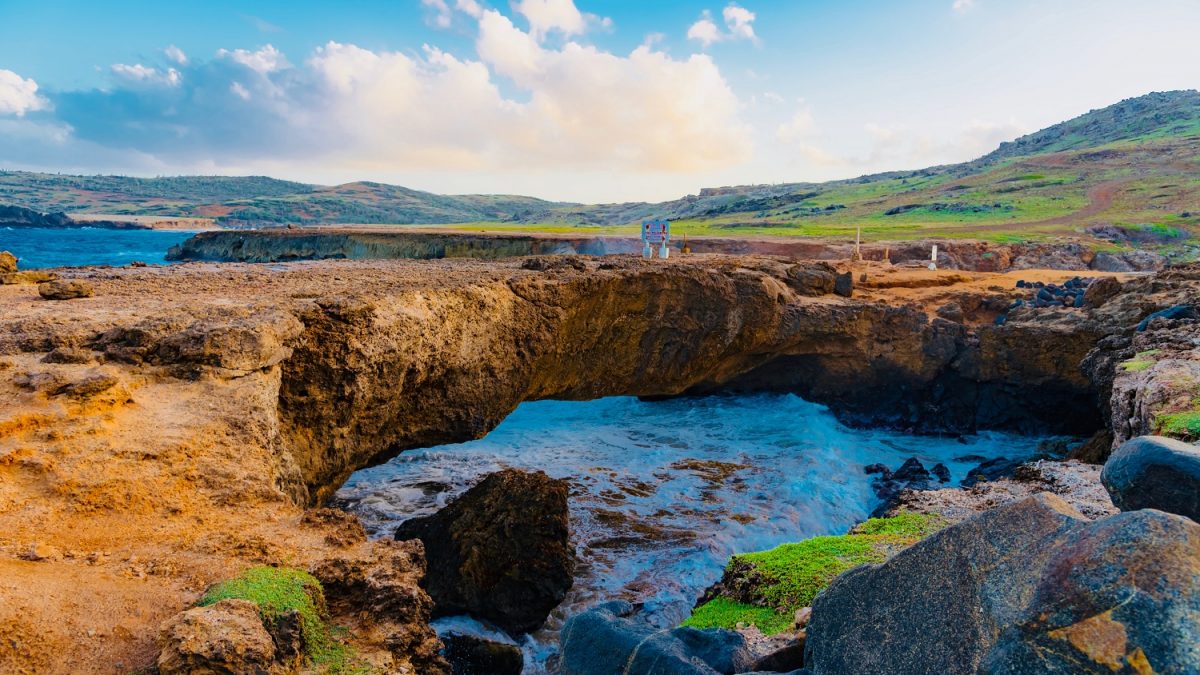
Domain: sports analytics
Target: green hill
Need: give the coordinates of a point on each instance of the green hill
(1126, 173)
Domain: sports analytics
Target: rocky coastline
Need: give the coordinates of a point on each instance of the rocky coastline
(404, 242)
(174, 428)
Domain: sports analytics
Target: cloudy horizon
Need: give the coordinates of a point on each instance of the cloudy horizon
(580, 100)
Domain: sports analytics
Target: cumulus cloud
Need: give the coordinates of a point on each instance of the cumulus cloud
(514, 104)
(18, 95)
(961, 6)
(739, 25)
(264, 60)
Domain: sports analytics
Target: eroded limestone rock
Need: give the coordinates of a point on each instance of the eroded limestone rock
(65, 289)
(220, 639)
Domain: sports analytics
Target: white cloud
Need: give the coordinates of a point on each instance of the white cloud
(740, 22)
(139, 74)
(265, 60)
(442, 16)
(800, 127)
(961, 6)
(739, 25)
(704, 30)
(176, 55)
(18, 95)
(237, 89)
(547, 15)
(469, 7)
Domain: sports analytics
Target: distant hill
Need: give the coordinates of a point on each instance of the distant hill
(1127, 172)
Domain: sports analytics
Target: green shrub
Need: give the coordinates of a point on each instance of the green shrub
(725, 613)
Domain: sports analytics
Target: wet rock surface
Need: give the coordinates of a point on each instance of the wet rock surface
(501, 551)
(1151, 472)
(471, 654)
(911, 475)
(610, 639)
(1031, 586)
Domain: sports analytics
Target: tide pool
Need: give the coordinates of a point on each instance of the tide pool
(662, 493)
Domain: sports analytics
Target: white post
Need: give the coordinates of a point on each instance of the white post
(933, 258)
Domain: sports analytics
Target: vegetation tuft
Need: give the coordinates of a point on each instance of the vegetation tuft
(280, 590)
(790, 576)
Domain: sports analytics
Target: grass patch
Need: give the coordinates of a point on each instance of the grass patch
(279, 590)
(1181, 425)
(1140, 361)
(726, 613)
(790, 576)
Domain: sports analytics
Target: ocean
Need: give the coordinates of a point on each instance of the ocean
(38, 248)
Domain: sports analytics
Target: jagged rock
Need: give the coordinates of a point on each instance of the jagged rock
(1075, 482)
(8, 262)
(224, 638)
(378, 593)
(992, 469)
(1152, 472)
(1028, 587)
(1101, 291)
(500, 551)
(1170, 313)
(911, 476)
(1095, 450)
(65, 289)
(611, 638)
(843, 285)
(471, 654)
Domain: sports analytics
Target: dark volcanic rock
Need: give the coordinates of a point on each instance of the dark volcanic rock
(1152, 472)
(1028, 587)
(812, 279)
(992, 469)
(611, 638)
(478, 655)
(912, 475)
(500, 551)
(1101, 291)
(64, 289)
(843, 285)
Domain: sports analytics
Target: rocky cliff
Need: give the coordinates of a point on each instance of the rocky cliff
(163, 433)
(384, 242)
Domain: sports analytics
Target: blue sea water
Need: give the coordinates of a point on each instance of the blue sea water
(38, 248)
(663, 492)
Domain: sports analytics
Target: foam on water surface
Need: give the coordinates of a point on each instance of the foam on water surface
(662, 493)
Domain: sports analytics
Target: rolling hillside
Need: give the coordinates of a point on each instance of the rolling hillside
(1126, 173)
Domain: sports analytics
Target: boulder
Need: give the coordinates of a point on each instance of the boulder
(612, 639)
(1101, 291)
(227, 637)
(812, 279)
(500, 551)
(843, 285)
(1153, 472)
(65, 289)
(1028, 587)
(8, 262)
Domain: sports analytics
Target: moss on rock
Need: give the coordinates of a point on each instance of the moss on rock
(280, 591)
(766, 588)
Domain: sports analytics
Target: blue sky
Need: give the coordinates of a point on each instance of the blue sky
(580, 100)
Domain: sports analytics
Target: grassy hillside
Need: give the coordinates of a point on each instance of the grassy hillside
(1126, 173)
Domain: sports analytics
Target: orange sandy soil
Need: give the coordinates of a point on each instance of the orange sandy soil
(118, 510)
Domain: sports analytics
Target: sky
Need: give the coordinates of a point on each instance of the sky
(577, 100)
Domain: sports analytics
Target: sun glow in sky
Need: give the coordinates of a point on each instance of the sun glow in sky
(584, 100)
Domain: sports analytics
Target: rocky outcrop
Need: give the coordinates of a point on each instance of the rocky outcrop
(1031, 586)
(500, 551)
(227, 637)
(375, 594)
(8, 262)
(1150, 472)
